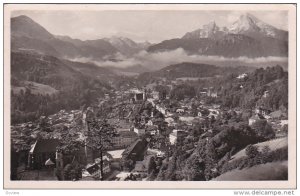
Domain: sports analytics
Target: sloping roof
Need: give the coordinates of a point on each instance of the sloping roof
(116, 154)
(92, 169)
(130, 134)
(276, 114)
(137, 147)
(44, 145)
(139, 166)
(49, 162)
(257, 117)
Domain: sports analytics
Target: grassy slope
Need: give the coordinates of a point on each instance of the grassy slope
(268, 171)
(273, 145)
(35, 88)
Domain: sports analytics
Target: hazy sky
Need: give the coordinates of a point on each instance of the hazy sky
(153, 26)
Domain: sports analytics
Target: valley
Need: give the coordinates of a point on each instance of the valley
(116, 109)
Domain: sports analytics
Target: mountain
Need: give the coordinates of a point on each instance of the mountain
(93, 49)
(248, 24)
(43, 85)
(126, 46)
(248, 37)
(210, 30)
(30, 36)
(57, 73)
(25, 26)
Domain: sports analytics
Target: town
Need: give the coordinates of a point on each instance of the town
(149, 128)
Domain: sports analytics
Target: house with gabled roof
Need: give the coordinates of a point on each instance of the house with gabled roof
(41, 151)
(136, 150)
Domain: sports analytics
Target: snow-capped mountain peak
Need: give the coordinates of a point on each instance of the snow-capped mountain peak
(250, 25)
(244, 23)
(118, 41)
(247, 24)
(208, 30)
(211, 27)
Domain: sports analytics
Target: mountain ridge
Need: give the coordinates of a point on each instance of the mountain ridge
(28, 34)
(248, 36)
(247, 24)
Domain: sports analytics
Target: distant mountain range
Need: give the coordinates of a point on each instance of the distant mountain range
(248, 36)
(29, 35)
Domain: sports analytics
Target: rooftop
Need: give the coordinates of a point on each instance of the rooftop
(93, 168)
(44, 145)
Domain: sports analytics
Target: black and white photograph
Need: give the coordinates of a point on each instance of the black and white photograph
(165, 93)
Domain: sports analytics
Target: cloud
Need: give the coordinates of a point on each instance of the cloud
(162, 59)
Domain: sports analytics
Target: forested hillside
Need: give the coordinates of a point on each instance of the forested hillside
(73, 88)
(249, 91)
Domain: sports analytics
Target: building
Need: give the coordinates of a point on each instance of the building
(149, 123)
(176, 136)
(41, 151)
(140, 168)
(155, 95)
(262, 111)
(139, 131)
(136, 151)
(124, 139)
(95, 169)
(173, 138)
(266, 94)
(187, 119)
(170, 121)
(213, 112)
(278, 115)
(116, 155)
(255, 118)
(242, 76)
(156, 152)
(144, 167)
(161, 109)
(138, 95)
(180, 111)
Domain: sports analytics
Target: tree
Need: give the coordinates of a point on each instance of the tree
(162, 91)
(263, 130)
(210, 160)
(251, 151)
(72, 171)
(194, 168)
(285, 129)
(182, 91)
(99, 137)
(152, 165)
(14, 164)
(265, 154)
